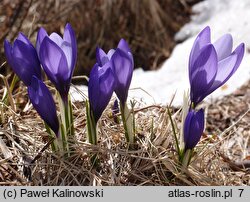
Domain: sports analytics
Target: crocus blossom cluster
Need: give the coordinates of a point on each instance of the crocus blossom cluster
(210, 66)
(112, 72)
(23, 59)
(57, 56)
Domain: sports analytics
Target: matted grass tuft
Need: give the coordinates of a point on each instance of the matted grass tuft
(221, 157)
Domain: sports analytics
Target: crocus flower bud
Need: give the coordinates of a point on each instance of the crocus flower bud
(193, 128)
(115, 111)
(58, 57)
(102, 58)
(100, 88)
(23, 59)
(123, 66)
(115, 107)
(43, 102)
(211, 65)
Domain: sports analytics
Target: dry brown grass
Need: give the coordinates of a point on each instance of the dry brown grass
(148, 26)
(219, 159)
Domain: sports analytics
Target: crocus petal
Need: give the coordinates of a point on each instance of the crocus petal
(106, 82)
(51, 56)
(201, 40)
(23, 59)
(23, 38)
(123, 71)
(17, 64)
(227, 67)
(55, 65)
(93, 86)
(65, 46)
(28, 54)
(101, 83)
(69, 36)
(58, 57)
(239, 51)
(24, 70)
(43, 102)
(8, 52)
(223, 46)
(193, 128)
(203, 75)
(110, 53)
(123, 45)
(101, 57)
(56, 38)
(40, 36)
(67, 49)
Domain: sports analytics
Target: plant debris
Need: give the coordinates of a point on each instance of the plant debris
(221, 157)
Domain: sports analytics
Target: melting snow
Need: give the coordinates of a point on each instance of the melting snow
(223, 16)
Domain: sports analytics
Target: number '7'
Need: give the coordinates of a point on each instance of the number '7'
(241, 191)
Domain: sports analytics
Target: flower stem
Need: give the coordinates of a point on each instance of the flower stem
(51, 136)
(128, 124)
(71, 121)
(67, 126)
(91, 133)
(91, 125)
(187, 158)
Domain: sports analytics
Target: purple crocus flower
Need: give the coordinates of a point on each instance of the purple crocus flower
(43, 102)
(58, 57)
(112, 72)
(123, 66)
(100, 88)
(211, 65)
(193, 128)
(23, 59)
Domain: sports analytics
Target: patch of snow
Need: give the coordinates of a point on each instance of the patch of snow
(223, 16)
